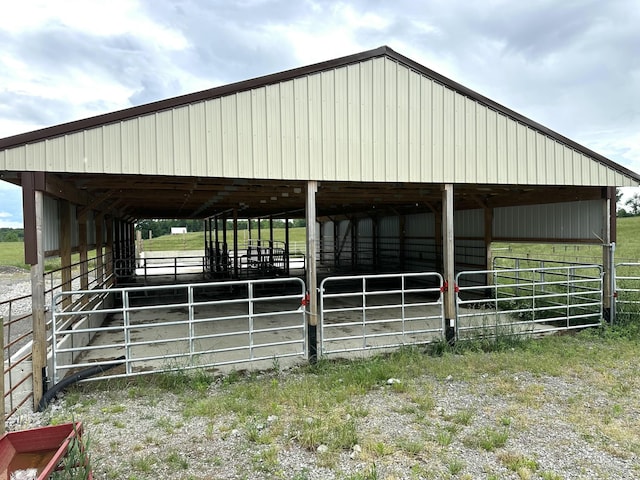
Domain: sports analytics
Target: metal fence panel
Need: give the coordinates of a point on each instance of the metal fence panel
(196, 326)
(528, 300)
(367, 312)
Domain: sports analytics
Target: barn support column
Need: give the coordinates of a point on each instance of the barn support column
(312, 279)
(82, 245)
(99, 220)
(33, 207)
(608, 254)
(108, 249)
(448, 263)
(65, 250)
(488, 239)
(235, 243)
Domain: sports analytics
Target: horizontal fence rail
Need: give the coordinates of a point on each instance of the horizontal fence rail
(528, 300)
(193, 326)
(366, 312)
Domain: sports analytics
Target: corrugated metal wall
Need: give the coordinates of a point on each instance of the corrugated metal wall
(562, 221)
(372, 121)
(51, 227)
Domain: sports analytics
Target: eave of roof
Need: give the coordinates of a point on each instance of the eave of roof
(167, 104)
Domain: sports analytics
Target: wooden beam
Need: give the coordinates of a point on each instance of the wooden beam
(39, 325)
(312, 278)
(64, 236)
(449, 264)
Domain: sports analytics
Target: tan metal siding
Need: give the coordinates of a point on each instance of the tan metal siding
(376, 120)
(376, 170)
(301, 126)
(354, 127)
(198, 137)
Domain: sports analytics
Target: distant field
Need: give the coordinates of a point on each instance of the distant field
(627, 247)
(195, 240)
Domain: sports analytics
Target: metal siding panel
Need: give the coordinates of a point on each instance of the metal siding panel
(365, 228)
(570, 220)
(469, 223)
(51, 224)
(148, 143)
(437, 157)
(502, 169)
(55, 154)
(229, 113)
(470, 171)
(448, 145)
(198, 138)
(341, 124)
(130, 147)
(366, 121)
(74, 147)
(538, 160)
(328, 126)
(288, 159)
(316, 143)
(550, 161)
(391, 120)
(301, 126)
(274, 131)
(91, 228)
(426, 130)
(245, 136)
(559, 165)
(377, 171)
(213, 109)
(511, 175)
(492, 147)
(112, 148)
(259, 132)
(402, 125)
(164, 142)
(180, 133)
(16, 158)
(94, 144)
(414, 131)
(522, 154)
(420, 225)
(354, 125)
(459, 138)
(482, 168)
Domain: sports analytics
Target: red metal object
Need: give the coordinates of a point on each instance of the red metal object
(37, 451)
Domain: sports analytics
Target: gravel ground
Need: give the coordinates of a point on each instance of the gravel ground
(545, 422)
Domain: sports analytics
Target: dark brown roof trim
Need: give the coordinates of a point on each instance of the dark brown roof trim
(121, 115)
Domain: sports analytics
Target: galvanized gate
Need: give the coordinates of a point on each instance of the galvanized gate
(367, 312)
(627, 291)
(195, 325)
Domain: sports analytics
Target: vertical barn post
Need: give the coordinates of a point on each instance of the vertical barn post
(312, 279)
(608, 248)
(449, 262)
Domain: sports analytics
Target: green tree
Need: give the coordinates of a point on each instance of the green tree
(634, 204)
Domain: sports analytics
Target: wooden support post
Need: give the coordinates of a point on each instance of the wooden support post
(449, 262)
(403, 242)
(108, 249)
(39, 348)
(312, 279)
(82, 247)
(64, 235)
(287, 260)
(235, 243)
(488, 239)
(99, 240)
(3, 411)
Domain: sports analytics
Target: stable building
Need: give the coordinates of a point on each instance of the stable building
(396, 169)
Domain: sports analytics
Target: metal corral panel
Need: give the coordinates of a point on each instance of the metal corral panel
(563, 221)
(469, 223)
(375, 120)
(51, 227)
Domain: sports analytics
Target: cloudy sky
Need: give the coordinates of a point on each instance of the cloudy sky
(572, 65)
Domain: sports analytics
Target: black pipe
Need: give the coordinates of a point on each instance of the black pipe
(71, 379)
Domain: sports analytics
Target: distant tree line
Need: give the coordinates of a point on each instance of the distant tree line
(163, 227)
(632, 205)
(11, 235)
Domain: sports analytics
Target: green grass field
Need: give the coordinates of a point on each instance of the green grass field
(627, 246)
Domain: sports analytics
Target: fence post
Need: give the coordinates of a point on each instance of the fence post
(610, 268)
(2, 382)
